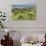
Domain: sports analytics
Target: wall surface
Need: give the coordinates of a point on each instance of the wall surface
(5, 5)
(25, 27)
(38, 25)
(39, 22)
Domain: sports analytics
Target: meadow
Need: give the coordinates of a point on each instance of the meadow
(25, 13)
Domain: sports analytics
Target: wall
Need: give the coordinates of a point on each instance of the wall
(28, 26)
(41, 14)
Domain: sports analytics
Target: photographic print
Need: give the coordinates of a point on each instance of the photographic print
(24, 12)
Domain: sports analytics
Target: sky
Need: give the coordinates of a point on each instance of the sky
(21, 2)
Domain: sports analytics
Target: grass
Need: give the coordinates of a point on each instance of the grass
(23, 13)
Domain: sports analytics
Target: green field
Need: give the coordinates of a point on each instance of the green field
(28, 13)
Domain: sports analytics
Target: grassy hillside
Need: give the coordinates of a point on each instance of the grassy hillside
(28, 13)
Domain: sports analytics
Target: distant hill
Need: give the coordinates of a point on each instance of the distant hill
(21, 6)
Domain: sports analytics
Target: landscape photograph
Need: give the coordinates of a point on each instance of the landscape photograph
(23, 11)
